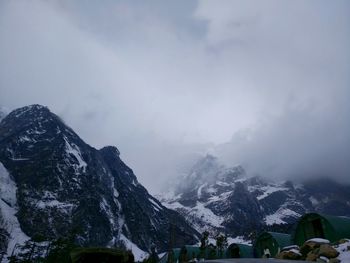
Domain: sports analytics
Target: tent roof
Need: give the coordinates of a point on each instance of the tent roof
(340, 224)
(282, 239)
(77, 253)
(245, 250)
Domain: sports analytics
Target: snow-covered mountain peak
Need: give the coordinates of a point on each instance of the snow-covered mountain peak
(220, 199)
(64, 184)
(206, 174)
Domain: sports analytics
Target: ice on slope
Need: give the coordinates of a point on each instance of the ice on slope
(8, 210)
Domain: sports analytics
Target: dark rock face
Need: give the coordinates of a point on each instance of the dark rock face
(66, 187)
(227, 200)
(137, 204)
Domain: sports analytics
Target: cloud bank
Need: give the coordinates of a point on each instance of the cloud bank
(165, 81)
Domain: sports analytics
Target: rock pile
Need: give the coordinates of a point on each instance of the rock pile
(318, 250)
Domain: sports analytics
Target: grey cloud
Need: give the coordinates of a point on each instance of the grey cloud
(163, 80)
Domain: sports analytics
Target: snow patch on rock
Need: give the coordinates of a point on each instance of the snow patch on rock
(269, 190)
(8, 210)
(73, 150)
(277, 218)
(344, 252)
(207, 215)
(139, 254)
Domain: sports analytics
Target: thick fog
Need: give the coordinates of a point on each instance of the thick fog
(261, 83)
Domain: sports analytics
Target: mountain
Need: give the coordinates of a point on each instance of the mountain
(216, 198)
(55, 185)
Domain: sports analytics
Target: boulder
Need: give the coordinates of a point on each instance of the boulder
(316, 242)
(311, 245)
(305, 249)
(311, 256)
(328, 251)
(289, 254)
(342, 241)
(334, 260)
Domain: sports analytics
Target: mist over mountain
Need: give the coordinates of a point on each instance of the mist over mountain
(165, 119)
(304, 142)
(183, 77)
(54, 185)
(221, 199)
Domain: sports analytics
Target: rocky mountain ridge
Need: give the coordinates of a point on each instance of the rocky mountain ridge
(54, 185)
(216, 198)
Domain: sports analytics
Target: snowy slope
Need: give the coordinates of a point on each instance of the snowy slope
(8, 210)
(60, 185)
(344, 251)
(216, 198)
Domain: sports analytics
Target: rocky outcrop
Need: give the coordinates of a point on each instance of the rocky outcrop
(316, 249)
(217, 198)
(65, 187)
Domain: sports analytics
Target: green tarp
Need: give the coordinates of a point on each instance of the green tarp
(273, 241)
(315, 225)
(244, 251)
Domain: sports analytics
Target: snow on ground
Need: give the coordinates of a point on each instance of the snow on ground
(277, 218)
(138, 253)
(344, 255)
(269, 190)
(8, 210)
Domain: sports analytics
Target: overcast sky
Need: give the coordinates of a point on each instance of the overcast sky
(261, 83)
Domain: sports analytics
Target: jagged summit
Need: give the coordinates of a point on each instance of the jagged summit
(112, 150)
(32, 113)
(207, 171)
(217, 198)
(65, 186)
(33, 123)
